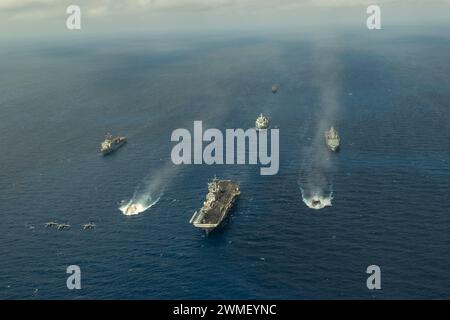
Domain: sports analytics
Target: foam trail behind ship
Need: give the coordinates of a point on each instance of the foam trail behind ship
(148, 192)
(316, 175)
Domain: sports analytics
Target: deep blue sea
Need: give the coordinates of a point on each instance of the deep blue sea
(387, 93)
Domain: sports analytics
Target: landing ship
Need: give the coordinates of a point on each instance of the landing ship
(219, 200)
(316, 203)
(111, 144)
(262, 122)
(332, 139)
(130, 210)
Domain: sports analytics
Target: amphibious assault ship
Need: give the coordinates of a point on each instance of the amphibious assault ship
(220, 198)
(262, 122)
(111, 144)
(332, 139)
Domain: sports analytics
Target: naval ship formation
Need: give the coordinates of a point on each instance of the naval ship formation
(219, 200)
(221, 193)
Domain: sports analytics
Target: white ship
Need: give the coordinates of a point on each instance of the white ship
(332, 139)
(262, 122)
(130, 209)
(275, 88)
(111, 144)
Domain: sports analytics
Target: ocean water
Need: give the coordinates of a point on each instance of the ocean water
(388, 94)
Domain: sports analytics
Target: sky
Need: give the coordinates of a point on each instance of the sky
(47, 17)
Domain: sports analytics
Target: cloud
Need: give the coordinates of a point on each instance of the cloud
(186, 4)
(100, 10)
(100, 7)
(11, 5)
(347, 3)
(124, 12)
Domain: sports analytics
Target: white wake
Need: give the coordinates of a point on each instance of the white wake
(316, 199)
(149, 191)
(138, 204)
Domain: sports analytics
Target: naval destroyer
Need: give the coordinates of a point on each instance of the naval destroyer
(219, 200)
(262, 122)
(332, 139)
(111, 144)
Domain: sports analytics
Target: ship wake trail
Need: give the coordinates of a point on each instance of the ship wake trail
(315, 198)
(140, 202)
(315, 182)
(148, 192)
(316, 175)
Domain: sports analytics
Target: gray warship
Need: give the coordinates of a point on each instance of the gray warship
(332, 139)
(111, 144)
(262, 122)
(219, 200)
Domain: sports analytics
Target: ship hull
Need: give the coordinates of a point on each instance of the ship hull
(332, 144)
(333, 148)
(114, 148)
(208, 228)
(212, 218)
(332, 139)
